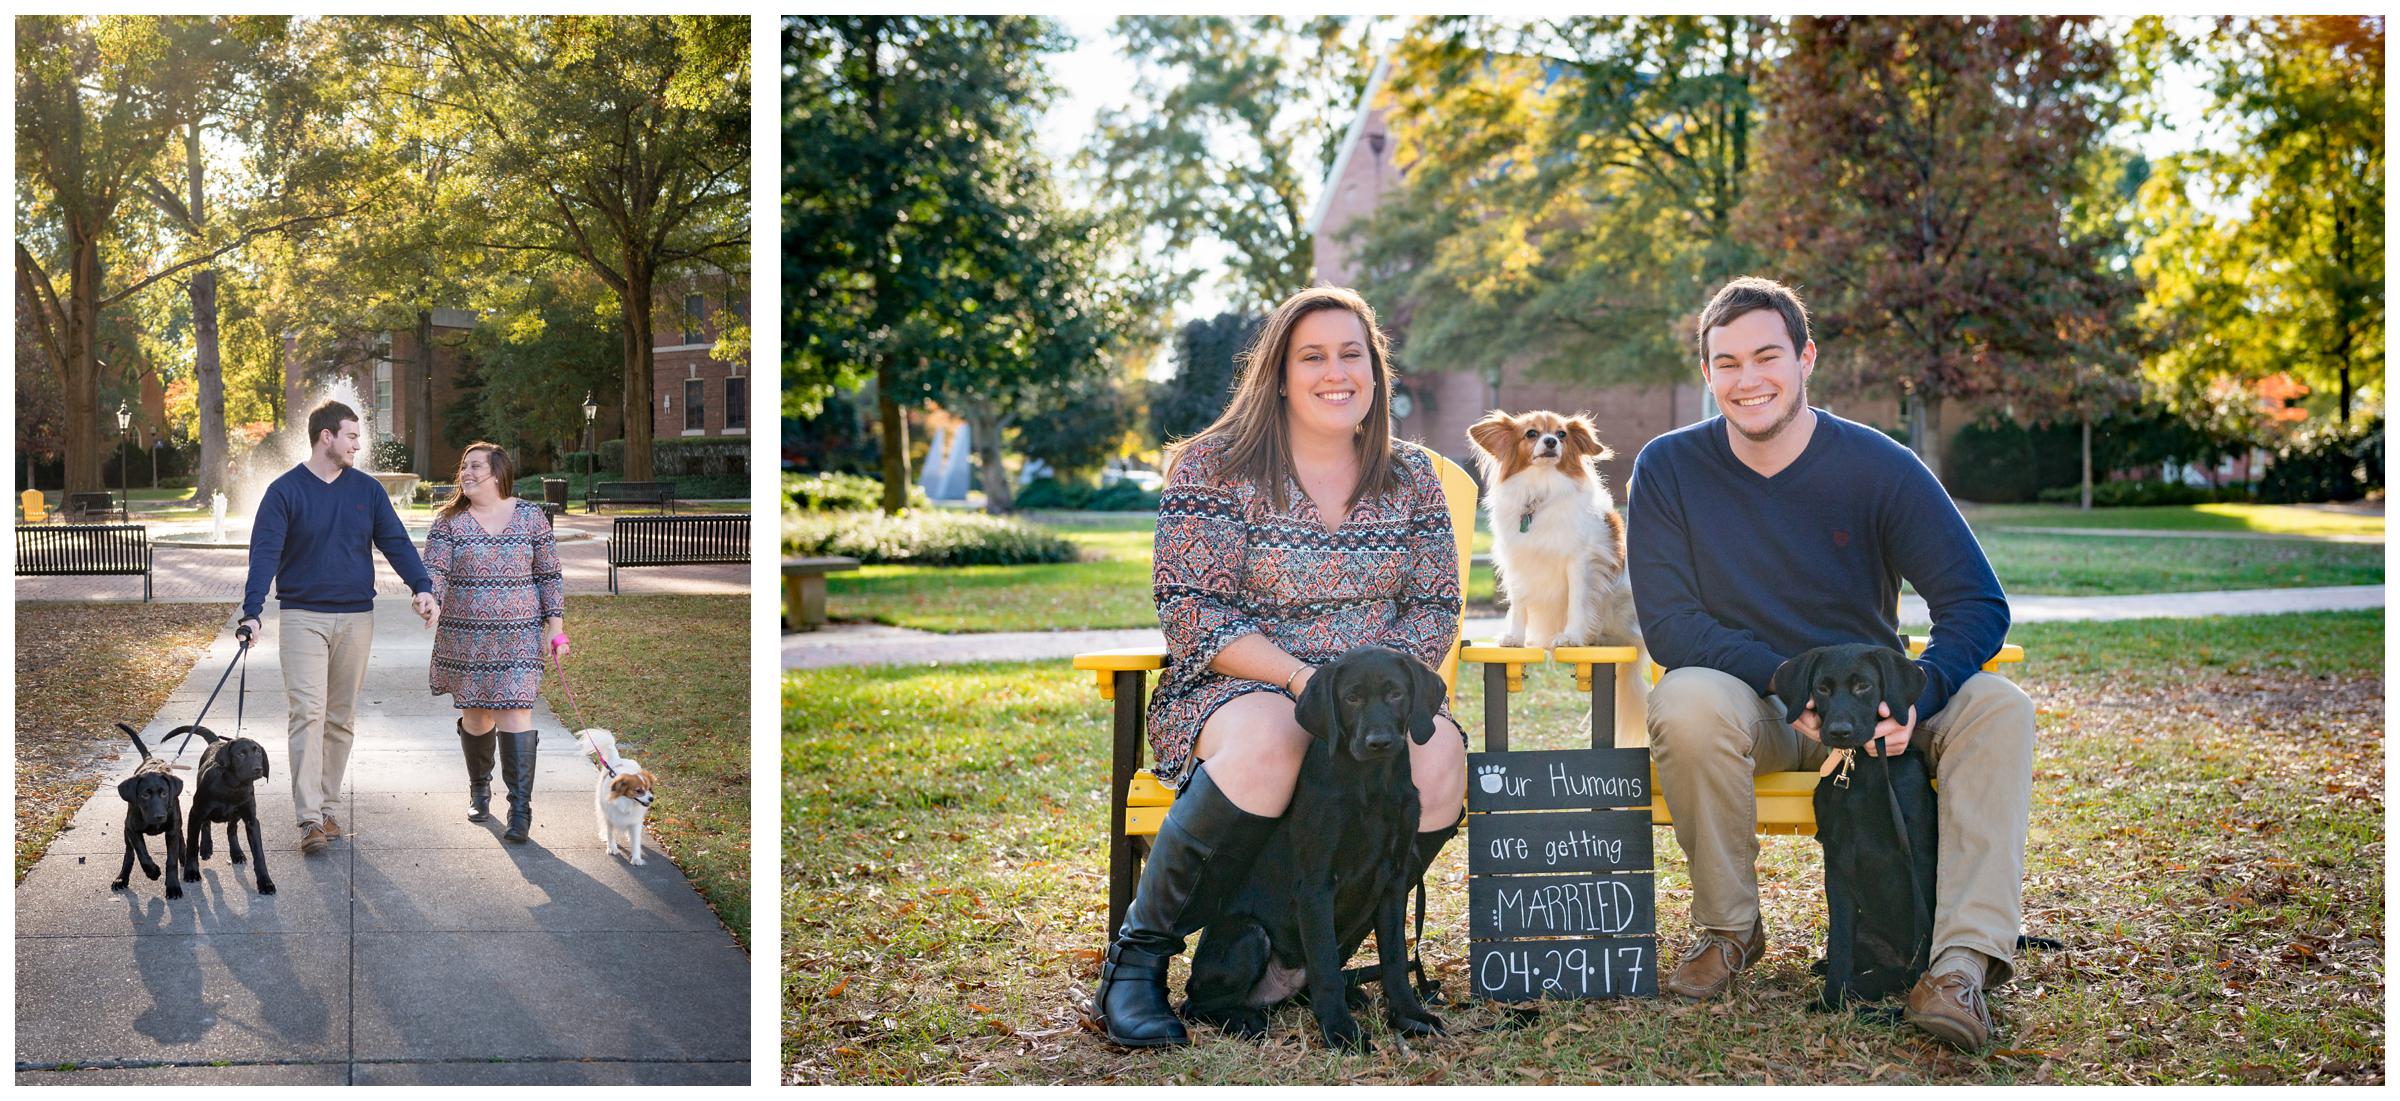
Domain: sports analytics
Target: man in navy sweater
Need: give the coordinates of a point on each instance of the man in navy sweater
(311, 537)
(1776, 528)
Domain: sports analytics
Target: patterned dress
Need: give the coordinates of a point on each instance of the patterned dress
(1227, 565)
(495, 591)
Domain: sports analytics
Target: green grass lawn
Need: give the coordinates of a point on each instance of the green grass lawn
(2260, 519)
(2039, 564)
(1110, 588)
(668, 674)
(2207, 838)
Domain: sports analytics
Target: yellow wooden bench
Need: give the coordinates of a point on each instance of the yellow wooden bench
(1138, 803)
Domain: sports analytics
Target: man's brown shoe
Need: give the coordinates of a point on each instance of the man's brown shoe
(333, 829)
(312, 839)
(1708, 969)
(1949, 1006)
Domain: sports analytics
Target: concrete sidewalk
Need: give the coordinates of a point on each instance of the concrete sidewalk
(419, 948)
(874, 644)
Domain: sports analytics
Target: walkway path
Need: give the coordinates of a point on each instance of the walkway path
(872, 644)
(419, 948)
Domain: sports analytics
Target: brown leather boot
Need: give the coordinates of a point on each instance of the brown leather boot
(1708, 969)
(1948, 1005)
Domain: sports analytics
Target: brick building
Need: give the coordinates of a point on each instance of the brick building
(699, 397)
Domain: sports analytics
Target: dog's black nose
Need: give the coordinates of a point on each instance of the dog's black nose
(1839, 730)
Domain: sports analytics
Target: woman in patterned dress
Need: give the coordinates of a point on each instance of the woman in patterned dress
(503, 599)
(1290, 531)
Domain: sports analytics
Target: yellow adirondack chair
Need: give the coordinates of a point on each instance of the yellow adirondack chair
(32, 505)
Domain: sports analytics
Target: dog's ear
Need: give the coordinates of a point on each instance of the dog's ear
(266, 766)
(125, 788)
(1793, 683)
(1425, 698)
(1495, 435)
(1903, 681)
(174, 786)
(1585, 437)
(1317, 711)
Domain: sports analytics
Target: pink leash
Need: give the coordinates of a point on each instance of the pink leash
(559, 664)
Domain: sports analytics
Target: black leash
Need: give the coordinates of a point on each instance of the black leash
(1918, 919)
(241, 694)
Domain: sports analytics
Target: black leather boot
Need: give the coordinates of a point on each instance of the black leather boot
(1429, 846)
(1202, 853)
(479, 750)
(516, 771)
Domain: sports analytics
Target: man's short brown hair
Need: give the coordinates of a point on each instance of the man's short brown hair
(328, 418)
(1749, 293)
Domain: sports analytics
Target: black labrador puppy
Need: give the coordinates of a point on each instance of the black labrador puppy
(1341, 863)
(225, 791)
(1876, 818)
(152, 806)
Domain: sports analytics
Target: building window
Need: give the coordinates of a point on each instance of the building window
(693, 306)
(383, 395)
(695, 406)
(740, 305)
(737, 404)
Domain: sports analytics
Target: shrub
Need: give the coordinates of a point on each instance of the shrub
(612, 454)
(1998, 462)
(2326, 465)
(1054, 493)
(389, 454)
(579, 462)
(832, 492)
(2148, 494)
(678, 458)
(923, 537)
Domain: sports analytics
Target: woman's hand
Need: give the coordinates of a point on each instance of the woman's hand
(555, 630)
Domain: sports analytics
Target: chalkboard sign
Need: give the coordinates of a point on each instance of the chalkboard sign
(1562, 898)
(1559, 779)
(1560, 906)
(1523, 970)
(1595, 841)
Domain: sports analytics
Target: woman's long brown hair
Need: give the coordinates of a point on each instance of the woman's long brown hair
(504, 473)
(1253, 431)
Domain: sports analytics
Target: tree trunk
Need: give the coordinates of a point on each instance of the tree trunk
(640, 427)
(895, 438)
(79, 373)
(2087, 462)
(997, 497)
(208, 372)
(420, 400)
(1926, 433)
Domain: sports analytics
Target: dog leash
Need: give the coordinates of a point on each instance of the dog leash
(559, 664)
(1922, 942)
(241, 694)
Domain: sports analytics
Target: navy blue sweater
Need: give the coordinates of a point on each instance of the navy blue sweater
(1738, 572)
(311, 536)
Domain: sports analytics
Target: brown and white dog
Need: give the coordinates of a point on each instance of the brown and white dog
(621, 799)
(1559, 544)
(1556, 536)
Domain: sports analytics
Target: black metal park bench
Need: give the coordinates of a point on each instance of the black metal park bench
(56, 550)
(85, 507)
(676, 541)
(660, 494)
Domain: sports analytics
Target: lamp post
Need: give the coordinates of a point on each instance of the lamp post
(591, 415)
(124, 476)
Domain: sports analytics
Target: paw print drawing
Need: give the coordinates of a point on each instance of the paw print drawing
(1491, 777)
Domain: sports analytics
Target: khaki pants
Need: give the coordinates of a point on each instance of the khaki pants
(324, 657)
(1710, 734)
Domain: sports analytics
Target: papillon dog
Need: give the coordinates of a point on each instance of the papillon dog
(622, 797)
(1559, 545)
(1556, 536)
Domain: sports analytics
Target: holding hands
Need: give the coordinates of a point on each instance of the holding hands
(427, 608)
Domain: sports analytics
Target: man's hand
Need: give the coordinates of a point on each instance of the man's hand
(427, 609)
(1895, 734)
(253, 626)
